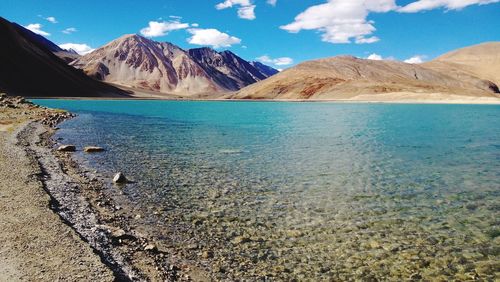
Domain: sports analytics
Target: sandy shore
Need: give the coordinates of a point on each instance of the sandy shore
(396, 98)
(55, 222)
(36, 244)
(418, 98)
(388, 98)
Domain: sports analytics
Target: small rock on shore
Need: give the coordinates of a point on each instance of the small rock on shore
(120, 178)
(67, 148)
(93, 149)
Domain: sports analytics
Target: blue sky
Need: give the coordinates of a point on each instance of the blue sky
(281, 32)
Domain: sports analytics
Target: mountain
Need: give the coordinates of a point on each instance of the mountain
(28, 67)
(66, 55)
(226, 68)
(264, 69)
(138, 62)
(346, 77)
(481, 60)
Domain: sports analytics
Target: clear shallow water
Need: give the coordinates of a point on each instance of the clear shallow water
(319, 191)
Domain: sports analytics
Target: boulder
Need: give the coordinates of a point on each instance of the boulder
(150, 247)
(67, 148)
(93, 149)
(21, 100)
(120, 178)
(118, 233)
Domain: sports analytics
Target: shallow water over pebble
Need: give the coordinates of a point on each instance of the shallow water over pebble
(319, 191)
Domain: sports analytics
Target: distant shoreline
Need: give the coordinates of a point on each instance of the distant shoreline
(366, 98)
(463, 100)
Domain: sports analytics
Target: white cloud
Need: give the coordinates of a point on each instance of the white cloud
(231, 3)
(341, 21)
(283, 61)
(272, 2)
(375, 57)
(246, 10)
(423, 5)
(156, 29)
(346, 21)
(81, 49)
(52, 20)
(247, 13)
(37, 28)
(69, 30)
(418, 59)
(211, 37)
(367, 40)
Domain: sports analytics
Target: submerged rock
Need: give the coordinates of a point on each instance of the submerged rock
(93, 149)
(67, 148)
(120, 178)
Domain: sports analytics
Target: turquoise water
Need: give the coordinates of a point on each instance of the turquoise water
(320, 191)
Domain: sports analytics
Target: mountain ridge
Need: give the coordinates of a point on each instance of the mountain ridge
(29, 68)
(32, 65)
(67, 55)
(137, 62)
(265, 69)
(480, 60)
(346, 77)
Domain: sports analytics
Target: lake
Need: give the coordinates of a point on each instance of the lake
(319, 191)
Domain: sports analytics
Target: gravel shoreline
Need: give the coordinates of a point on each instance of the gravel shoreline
(76, 197)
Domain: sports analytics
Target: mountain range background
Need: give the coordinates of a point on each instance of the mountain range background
(137, 62)
(134, 66)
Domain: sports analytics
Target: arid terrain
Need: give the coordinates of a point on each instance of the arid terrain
(133, 67)
(464, 75)
(481, 61)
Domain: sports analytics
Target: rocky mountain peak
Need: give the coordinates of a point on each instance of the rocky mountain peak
(139, 62)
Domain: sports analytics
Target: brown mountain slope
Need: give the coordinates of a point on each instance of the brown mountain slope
(481, 60)
(137, 62)
(141, 63)
(346, 77)
(28, 68)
